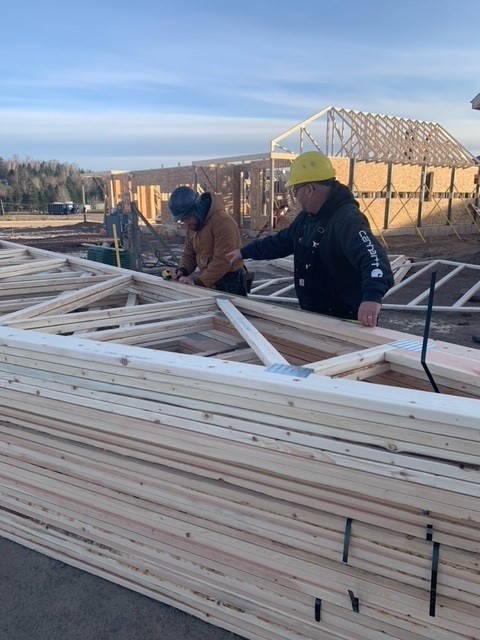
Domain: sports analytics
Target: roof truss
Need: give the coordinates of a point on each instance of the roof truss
(372, 137)
(411, 289)
(72, 297)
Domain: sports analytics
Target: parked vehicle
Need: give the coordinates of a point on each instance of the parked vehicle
(63, 208)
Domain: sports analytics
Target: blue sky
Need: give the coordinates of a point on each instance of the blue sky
(136, 85)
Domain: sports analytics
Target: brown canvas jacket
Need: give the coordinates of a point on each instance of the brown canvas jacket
(207, 247)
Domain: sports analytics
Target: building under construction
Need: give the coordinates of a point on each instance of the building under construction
(406, 174)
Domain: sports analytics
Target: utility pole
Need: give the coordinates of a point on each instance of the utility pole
(84, 204)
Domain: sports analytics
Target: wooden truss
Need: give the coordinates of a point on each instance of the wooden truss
(280, 474)
(411, 289)
(372, 137)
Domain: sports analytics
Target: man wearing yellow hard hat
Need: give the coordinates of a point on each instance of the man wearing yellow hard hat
(340, 268)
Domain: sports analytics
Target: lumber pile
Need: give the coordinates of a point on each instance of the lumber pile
(277, 473)
(275, 506)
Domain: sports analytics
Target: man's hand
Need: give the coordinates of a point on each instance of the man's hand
(368, 313)
(177, 274)
(234, 256)
(186, 279)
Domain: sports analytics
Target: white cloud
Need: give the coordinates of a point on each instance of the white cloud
(101, 141)
(210, 81)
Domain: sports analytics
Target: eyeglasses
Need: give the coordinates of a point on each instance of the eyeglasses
(295, 190)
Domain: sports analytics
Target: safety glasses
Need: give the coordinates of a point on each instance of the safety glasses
(294, 191)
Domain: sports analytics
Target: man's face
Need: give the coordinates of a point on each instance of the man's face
(297, 194)
(191, 223)
(310, 197)
(303, 196)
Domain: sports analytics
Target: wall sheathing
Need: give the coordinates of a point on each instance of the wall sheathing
(164, 181)
(342, 169)
(395, 197)
(117, 188)
(258, 210)
(153, 203)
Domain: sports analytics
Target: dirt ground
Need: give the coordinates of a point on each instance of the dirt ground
(458, 327)
(41, 598)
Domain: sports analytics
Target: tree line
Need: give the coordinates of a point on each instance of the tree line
(31, 185)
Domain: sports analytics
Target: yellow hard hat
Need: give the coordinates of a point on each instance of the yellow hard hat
(311, 166)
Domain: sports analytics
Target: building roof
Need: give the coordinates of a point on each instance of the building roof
(377, 138)
(364, 136)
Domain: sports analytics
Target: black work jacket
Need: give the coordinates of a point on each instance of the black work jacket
(338, 262)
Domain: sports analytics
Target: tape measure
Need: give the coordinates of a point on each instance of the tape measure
(167, 274)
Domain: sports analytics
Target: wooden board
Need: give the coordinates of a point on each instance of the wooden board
(281, 474)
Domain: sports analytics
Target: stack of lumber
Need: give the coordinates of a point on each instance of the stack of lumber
(278, 506)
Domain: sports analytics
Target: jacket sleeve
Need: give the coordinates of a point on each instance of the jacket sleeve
(366, 254)
(277, 246)
(188, 261)
(226, 238)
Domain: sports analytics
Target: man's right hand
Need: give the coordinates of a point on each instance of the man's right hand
(234, 256)
(177, 274)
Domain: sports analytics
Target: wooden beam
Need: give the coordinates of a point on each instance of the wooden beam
(264, 350)
(71, 301)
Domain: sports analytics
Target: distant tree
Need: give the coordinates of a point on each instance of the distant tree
(73, 189)
(33, 184)
(3, 169)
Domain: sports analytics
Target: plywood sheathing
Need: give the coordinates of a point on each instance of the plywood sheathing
(431, 180)
(369, 183)
(218, 179)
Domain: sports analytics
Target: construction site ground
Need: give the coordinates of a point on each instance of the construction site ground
(42, 598)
